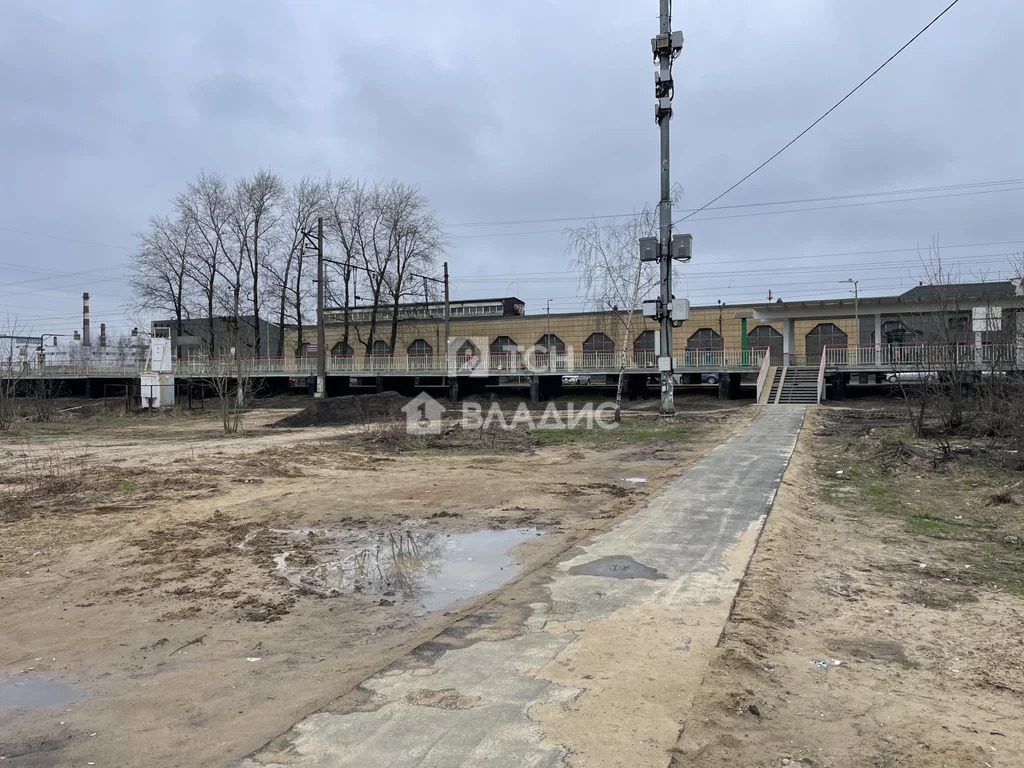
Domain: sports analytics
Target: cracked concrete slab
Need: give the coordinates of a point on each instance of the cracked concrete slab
(602, 672)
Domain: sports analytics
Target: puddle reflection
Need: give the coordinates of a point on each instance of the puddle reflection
(425, 570)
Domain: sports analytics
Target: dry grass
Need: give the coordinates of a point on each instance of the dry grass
(63, 480)
(54, 477)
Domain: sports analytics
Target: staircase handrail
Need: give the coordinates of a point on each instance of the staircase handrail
(821, 375)
(762, 373)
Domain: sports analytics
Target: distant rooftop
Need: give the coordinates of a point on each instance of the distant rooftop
(993, 290)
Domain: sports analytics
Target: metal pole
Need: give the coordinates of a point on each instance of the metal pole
(447, 317)
(321, 334)
(668, 406)
(547, 339)
(856, 321)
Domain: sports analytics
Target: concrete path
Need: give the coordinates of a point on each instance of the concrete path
(602, 672)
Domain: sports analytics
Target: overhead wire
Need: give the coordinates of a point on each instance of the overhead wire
(768, 213)
(828, 112)
(798, 201)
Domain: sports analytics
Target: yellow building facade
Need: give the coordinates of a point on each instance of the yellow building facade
(707, 328)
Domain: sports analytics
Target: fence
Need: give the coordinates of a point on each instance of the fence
(925, 357)
(531, 361)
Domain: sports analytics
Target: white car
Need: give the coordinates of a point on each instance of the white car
(575, 379)
(907, 376)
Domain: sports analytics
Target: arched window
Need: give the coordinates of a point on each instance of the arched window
(598, 342)
(644, 342)
(704, 338)
(341, 349)
(380, 348)
(894, 332)
(643, 349)
(766, 336)
(504, 345)
(504, 353)
(822, 335)
(467, 349)
(550, 342)
(420, 348)
(599, 351)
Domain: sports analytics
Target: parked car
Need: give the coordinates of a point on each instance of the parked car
(576, 379)
(909, 376)
(709, 378)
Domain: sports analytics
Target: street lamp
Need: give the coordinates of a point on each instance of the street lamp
(856, 316)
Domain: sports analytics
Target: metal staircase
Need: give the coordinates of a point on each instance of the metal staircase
(795, 385)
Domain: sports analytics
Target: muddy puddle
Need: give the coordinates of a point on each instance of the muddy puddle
(420, 570)
(34, 692)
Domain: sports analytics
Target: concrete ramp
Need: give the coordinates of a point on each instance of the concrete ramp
(603, 670)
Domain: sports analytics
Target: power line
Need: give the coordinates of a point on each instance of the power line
(726, 273)
(769, 213)
(757, 204)
(831, 109)
(515, 277)
(798, 201)
(67, 239)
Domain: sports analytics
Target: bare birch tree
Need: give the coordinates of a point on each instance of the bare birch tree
(611, 275)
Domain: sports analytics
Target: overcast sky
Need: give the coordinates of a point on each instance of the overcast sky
(516, 111)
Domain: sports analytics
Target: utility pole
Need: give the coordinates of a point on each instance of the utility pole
(547, 339)
(447, 317)
(321, 331)
(666, 47)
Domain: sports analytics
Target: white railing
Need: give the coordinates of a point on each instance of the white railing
(96, 368)
(686, 360)
(926, 357)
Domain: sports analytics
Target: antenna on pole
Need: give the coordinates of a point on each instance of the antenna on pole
(663, 249)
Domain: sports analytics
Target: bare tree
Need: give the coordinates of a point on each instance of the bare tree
(14, 362)
(612, 277)
(937, 379)
(374, 253)
(415, 239)
(234, 273)
(291, 278)
(348, 205)
(261, 197)
(206, 204)
(159, 268)
(229, 378)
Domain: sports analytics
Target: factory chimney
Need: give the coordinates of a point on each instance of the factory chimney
(85, 321)
(103, 334)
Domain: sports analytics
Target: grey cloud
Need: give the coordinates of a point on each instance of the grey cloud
(235, 97)
(511, 111)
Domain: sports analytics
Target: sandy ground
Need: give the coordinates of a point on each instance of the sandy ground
(905, 586)
(142, 570)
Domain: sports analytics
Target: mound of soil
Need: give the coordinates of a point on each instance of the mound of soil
(350, 409)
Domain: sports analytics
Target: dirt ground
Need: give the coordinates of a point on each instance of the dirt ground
(138, 563)
(880, 621)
